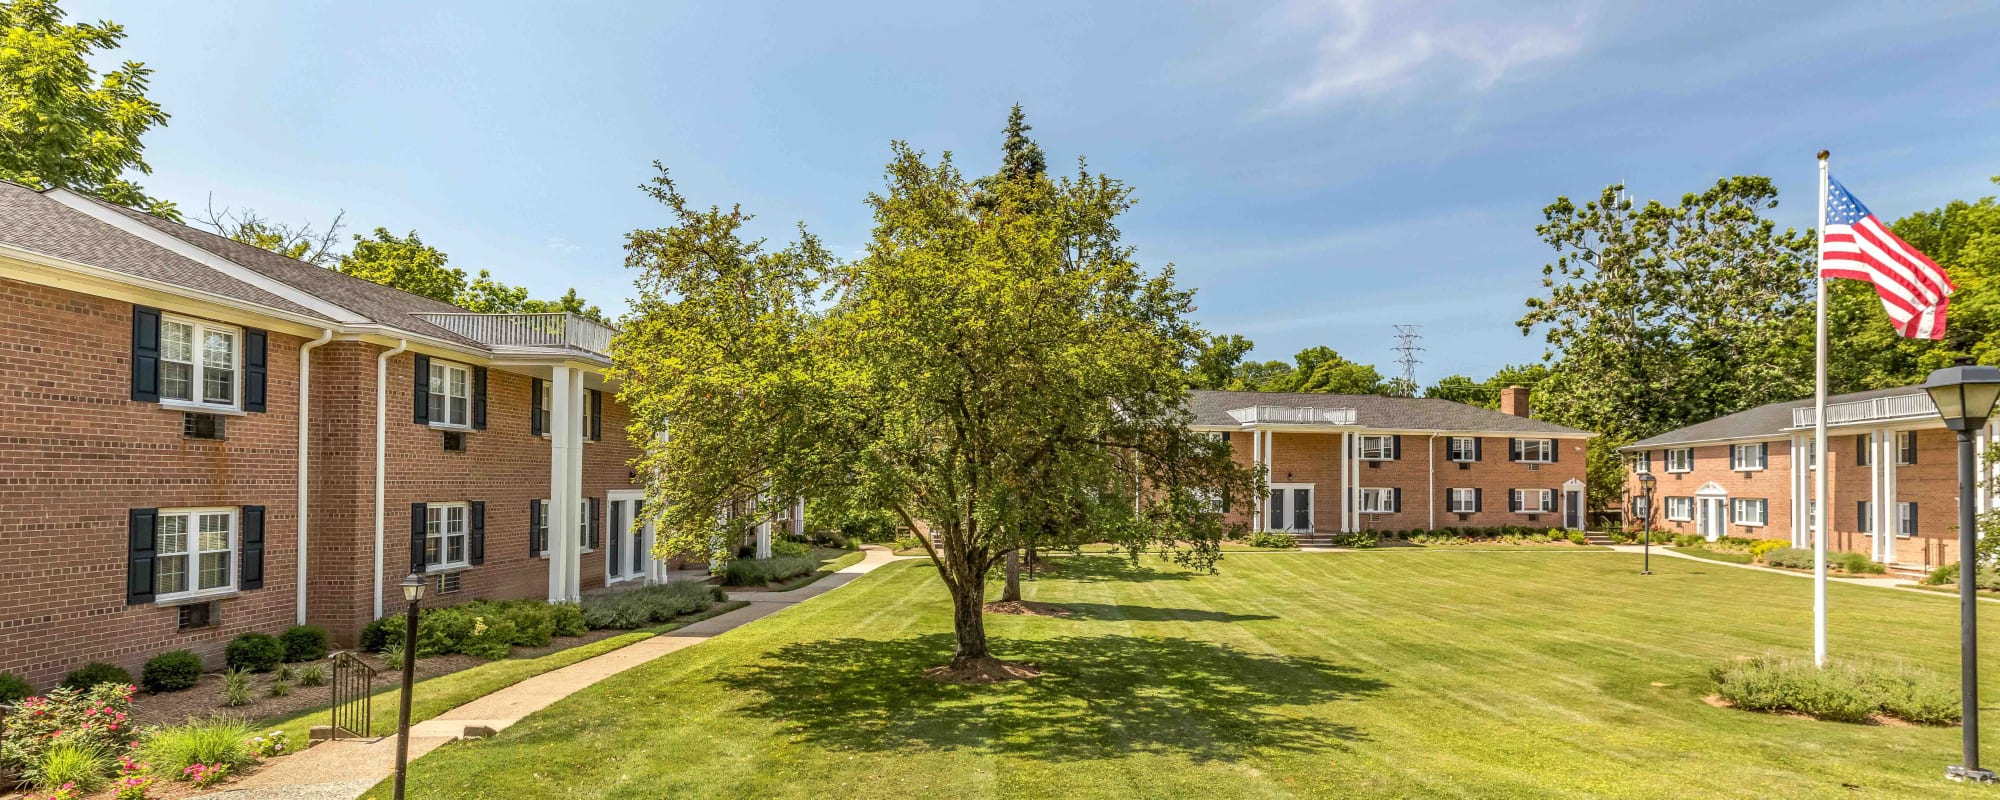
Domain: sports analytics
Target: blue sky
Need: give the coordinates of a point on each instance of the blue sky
(1321, 171)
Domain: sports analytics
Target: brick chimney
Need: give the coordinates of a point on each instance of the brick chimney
(1514, 400)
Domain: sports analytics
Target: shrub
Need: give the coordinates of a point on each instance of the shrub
(1761, 546)
(271, 744)
(235, 687)
(171, 671)
(304, 643)
(93, 719)
(256, 652)
(651, 605)
(208, 742)
(1358, 540)
(1857, 564)
(568, 619)
(1790, 557)
(1577, 537)
(909, 543)
(1274, 541)
(1841, 692)
(94, 673)
(279, 687)
(378, 634)
(13, 688)
(787, 547)
(84, 767)
(761, 571)
(312, 675)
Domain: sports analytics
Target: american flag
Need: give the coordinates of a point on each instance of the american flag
(1854, 244)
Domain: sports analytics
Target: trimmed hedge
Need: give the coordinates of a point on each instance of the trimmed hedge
(304, 643)
(483, 628)
(651, 605)
(761, 571)
(257, 652)
(1843, 691)
(1272, 540)
(95, 673)
(171, 671)
(1802, 558)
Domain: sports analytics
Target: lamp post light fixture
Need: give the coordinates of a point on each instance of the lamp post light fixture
(413, 593)
(1646, 483)
(1964, 395)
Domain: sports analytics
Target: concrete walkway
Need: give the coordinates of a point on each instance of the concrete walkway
(345, 769)
(1904, 584)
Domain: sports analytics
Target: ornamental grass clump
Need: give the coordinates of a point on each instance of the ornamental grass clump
(87, 767)
(208, 743)
(651, 605)
(761, 571)
(1843, 691)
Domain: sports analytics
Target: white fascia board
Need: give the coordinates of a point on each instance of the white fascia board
(41, 267)
(205, 258)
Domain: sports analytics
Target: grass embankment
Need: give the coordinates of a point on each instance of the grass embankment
(1369, 674)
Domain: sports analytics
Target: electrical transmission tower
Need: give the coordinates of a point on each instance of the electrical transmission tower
(1406, 355)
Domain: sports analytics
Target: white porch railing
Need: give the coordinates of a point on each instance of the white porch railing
(1294, 415)
(1902, 406)
(560, 331)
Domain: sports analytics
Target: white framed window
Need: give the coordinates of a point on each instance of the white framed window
(1642, 506)
(451, 395)
(445, 535)
(1378, 448)
(542, 526)
(1461, 501)
(583, 525)
(1680, 460)
(195, 552)
(1747, 457)
(1643, 463)
(548, 391)
(1536, 451)
(1748, 511)
(1378, 501)
(200, 362)
(1906, 519)
(1462, 449)
(1906, 448)
(1678, 509)
(583, 434)
(1537, 501)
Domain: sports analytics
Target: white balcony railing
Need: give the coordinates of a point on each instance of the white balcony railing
(529, 332)
(1902, 406)
(1293, 415)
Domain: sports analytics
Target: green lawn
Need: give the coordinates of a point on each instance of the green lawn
(1702, 552)
(1376, 674)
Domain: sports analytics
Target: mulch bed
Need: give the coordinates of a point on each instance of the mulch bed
(1873, 719)
(205, 698)
(1028, 608)
(987, 672)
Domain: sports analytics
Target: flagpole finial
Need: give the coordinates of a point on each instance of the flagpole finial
(1823, 154)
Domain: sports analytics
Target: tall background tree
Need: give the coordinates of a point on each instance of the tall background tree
(304, 242)
(63, 124)
(996, 361)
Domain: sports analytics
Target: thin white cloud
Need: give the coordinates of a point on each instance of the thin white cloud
(561, 245)
(1371, 47)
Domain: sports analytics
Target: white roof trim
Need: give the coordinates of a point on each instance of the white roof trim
(170, 244)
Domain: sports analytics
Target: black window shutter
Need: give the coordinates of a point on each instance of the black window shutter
(141, 545)
(1555, 450)
(535, 532)
(1225, 436)
(252, 570)
(596, 415)
(1513, 449)
(1475, 447)
(596, 511)
(479, 398)
(1396, 447)
(1513, 499)
(535, 408)
(1552, 496)
(1910, 449)
(417, 538)
(1763, 454)
(1225, 498)
(423, 392)
(1396, 500)
(475, 536)
(1861, 516)
(146, 363)
(1913, 520)
(1476, 499)
(256, 368)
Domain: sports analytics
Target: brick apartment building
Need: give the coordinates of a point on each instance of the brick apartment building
(1344, 463)
(200, 438)
(1893, 485)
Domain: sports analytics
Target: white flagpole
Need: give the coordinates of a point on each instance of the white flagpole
(1820, 505)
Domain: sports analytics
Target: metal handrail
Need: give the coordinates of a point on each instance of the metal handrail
(353, 696)
(1902, 406)
(559, 331)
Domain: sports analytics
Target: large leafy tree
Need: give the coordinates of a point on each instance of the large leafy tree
(1217, 364)
(403, 262)
(1659, 316)
(1320, 369)
(1486, 393)
(63, 124)
(997, 360)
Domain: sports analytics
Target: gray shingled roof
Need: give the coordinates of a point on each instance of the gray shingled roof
(1376, 411)
(34, 221)
(1766, 420)
(389, 306)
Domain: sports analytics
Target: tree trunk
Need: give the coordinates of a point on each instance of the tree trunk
(1013, 591)
(1031, 559)
(968, 615)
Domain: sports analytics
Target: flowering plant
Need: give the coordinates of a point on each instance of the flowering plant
(271, 744)
(205, 775)
(93, 718)
(135, 779)
(66, 792)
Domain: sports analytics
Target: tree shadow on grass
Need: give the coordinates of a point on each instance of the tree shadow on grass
(1112, 567)
(1099, 697)
(1112, 611)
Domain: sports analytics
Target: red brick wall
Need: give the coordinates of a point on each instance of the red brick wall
(1315, 458)
(76, 453)
(1711, 463)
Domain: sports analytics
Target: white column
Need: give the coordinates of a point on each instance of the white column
(764, 526)
(1270, 450)
(575, 566)
(1257, 460)
(1340, 490)
(1889, 515)
(561, 511)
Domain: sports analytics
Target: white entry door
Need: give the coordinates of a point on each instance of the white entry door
(1712, 519)
(1290, 508)
(628, 550)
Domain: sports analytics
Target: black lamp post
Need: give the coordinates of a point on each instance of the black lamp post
(1964, 395)
(413, 592)
(1646, 483)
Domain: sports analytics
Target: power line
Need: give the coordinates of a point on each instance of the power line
(1406, 355)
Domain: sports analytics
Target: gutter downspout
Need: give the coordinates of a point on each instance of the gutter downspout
(381, 460)
(305, 413)
(1431, 488)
